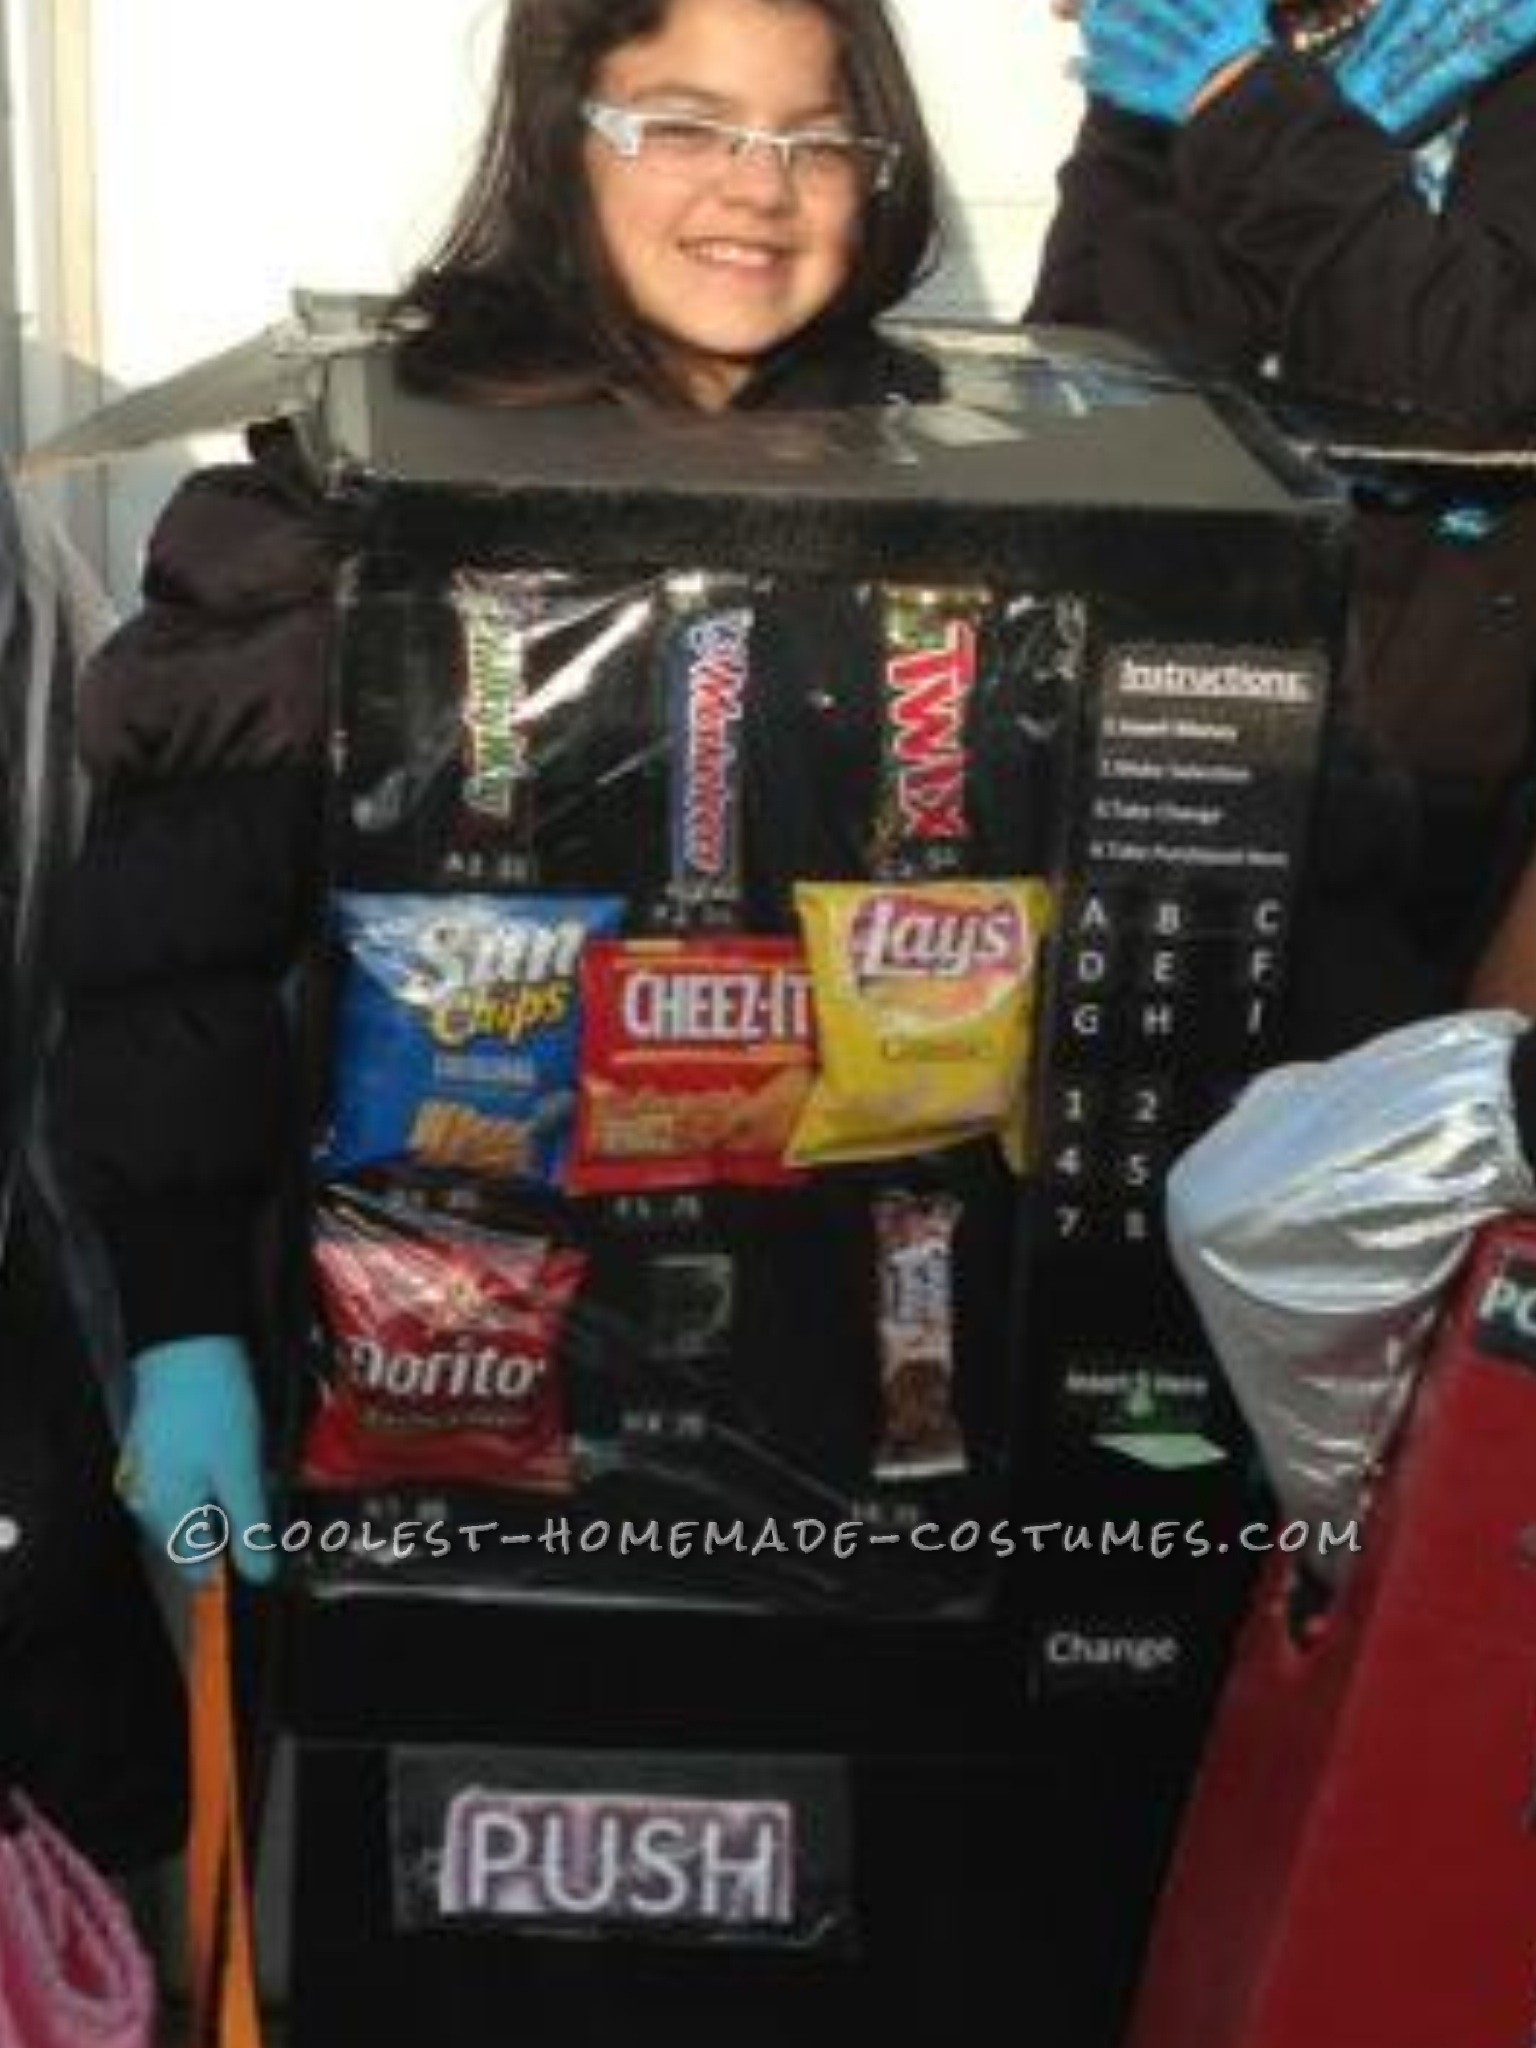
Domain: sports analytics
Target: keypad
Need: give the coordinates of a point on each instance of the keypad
(1169, 971)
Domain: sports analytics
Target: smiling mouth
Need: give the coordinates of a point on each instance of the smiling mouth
(745, 257)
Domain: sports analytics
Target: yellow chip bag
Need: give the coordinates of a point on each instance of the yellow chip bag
(924, 996)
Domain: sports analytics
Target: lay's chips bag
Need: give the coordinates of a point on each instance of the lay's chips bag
(924, 997)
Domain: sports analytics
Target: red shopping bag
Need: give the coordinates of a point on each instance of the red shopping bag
(1357, 1868)
(72, 1971)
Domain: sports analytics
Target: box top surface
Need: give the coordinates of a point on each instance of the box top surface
(1070, 419)
(1024, 421)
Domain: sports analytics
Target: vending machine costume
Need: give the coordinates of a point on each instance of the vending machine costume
(790, 883)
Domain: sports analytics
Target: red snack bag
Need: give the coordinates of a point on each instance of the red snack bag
(696, 1058)
(444, 1336)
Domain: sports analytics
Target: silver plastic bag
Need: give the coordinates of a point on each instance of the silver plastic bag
(1319, 1224)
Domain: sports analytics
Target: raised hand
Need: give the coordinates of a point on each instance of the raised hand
(1154, 56)
(1414, 60)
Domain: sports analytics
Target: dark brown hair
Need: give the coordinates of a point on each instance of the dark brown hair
(518, 291)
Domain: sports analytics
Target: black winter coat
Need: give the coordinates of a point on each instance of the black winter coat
(90, 1697)
(1281, 225)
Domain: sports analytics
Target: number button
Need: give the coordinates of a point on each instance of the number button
(1147, 1106)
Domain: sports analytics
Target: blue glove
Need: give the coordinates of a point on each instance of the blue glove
(1415, 59)
(1152, 56)
(194, 1438)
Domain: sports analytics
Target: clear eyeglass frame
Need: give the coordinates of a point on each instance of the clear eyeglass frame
(698, 146)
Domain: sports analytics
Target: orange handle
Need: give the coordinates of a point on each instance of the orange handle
(221, 1972)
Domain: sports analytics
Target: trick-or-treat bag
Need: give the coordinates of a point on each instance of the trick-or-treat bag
(73, 1973)
(686, 935)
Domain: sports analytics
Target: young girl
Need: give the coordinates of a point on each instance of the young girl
(677, 203)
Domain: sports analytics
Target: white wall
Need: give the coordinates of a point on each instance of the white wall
(239, 147)
(996, 86)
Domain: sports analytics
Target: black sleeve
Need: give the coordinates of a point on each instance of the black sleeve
(1522, 1085)
(203, 719)
(1384, 301)
(1118, 165)
(1122, 253)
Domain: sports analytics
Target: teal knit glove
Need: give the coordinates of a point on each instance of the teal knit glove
(1416, 59)
(1152, 56)
(193, 1442)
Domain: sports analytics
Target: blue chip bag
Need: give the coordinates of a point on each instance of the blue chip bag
(457, 1032)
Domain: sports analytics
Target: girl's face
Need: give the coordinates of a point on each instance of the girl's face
(722, 257)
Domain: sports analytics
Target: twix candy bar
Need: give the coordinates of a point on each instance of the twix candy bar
(932, 650)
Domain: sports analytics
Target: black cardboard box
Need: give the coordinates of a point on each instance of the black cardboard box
(1016, 1729)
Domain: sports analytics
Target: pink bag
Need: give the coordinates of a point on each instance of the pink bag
(72, 1971)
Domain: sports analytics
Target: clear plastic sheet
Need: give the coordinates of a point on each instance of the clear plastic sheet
(757, 1348)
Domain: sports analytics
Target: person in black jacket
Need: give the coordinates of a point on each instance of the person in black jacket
(1339, 195)
(90, 1717)
(681, 204)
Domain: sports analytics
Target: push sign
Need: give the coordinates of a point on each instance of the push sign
(693, 1849)
(578, 1857)
(1506, 1311)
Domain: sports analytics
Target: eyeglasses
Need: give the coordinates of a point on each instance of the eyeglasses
(693, 146)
